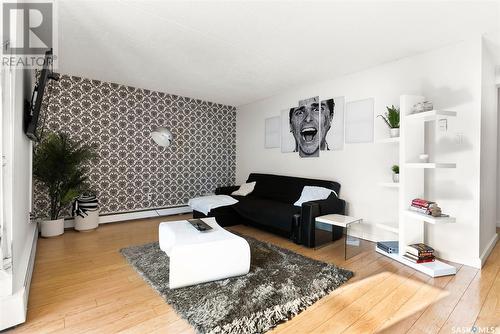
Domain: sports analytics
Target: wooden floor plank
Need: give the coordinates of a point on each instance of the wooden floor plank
(371, 320)
(82, 284)
(489, 316)
(467, 310)
(436, 314)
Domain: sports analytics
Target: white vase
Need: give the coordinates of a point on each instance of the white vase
(395, 178)
(52, 228)
(394, 132)
(87, 223)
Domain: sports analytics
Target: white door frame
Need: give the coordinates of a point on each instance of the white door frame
(7, 81)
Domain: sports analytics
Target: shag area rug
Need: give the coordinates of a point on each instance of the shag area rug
(280, 284)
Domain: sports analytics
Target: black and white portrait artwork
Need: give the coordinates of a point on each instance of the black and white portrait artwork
(287, 139)
(332, 124)
(304, 125)
(313, 126)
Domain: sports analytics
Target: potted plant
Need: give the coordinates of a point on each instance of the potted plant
(58, 164)
(395, 173)
(391, 118)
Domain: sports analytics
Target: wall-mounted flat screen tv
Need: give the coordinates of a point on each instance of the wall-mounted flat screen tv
(33, 108)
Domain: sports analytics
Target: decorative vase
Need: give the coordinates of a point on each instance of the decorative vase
(395, 178)
(52, 228)
(394, 132)
(87, 223)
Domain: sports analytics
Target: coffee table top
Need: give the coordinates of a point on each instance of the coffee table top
(338, 220)
(181, 233)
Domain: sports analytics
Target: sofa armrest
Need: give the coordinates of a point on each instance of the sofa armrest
(226, 190)
(313, 209)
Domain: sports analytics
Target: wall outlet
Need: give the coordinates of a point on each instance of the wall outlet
(150, 197)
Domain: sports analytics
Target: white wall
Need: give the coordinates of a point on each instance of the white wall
(22, 228)
(17, 198)
(489, 143)
(498, 154)
(451, 78)
(17, 195)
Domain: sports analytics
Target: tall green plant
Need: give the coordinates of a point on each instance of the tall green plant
(58, 163)
(391, 117)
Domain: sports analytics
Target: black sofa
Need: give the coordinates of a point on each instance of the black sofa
(270, 206)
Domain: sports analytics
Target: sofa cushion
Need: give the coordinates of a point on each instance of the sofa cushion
(286, 189)
(244, 190)
(312, 193)
(266, 212)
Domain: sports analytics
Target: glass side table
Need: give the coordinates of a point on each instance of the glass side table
(342, 221)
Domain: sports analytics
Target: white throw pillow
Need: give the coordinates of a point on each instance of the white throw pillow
(245, 189)
(311, 193)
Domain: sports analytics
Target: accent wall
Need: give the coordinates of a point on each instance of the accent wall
(133, 173)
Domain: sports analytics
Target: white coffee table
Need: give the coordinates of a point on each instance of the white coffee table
(342, 221)
(198, 257)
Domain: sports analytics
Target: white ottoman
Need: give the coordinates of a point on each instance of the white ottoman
(197, 257)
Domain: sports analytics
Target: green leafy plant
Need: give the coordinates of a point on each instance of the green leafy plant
(58, 163)
(395, 169)
(391, 117)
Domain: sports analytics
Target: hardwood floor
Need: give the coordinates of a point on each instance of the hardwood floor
(81, 284)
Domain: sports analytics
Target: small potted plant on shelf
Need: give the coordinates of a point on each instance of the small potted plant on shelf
(391, 118)
(58, 164)
(395, 173)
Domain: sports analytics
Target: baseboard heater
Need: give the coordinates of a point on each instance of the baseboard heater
(138, 214)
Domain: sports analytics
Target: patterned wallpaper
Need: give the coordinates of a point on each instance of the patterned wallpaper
(118, 119)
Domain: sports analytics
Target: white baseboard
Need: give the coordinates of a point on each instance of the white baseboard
(487, 250)
(13, 308)
(118, 217)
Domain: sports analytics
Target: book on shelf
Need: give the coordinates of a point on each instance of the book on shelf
(425, 207)
(418, 260)
(419, 249)
(424, 256)
(421, 255)
(422, 202)
(389, 246)
(420, 210)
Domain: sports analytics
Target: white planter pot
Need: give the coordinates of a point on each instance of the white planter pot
(394, 132)
(395, 178)
(52, 228)
(87, 223)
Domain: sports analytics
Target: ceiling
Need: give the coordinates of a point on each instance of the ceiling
(239, 52)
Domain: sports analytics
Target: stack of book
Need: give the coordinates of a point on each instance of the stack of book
(419, 253)
(425, 207)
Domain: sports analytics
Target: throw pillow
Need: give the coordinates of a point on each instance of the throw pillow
(245, 189)
(312, 193)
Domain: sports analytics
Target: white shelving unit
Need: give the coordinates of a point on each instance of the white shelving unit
(412, 184)
(429, 219)
(430, 165)
(434, 269)
(431, 115)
